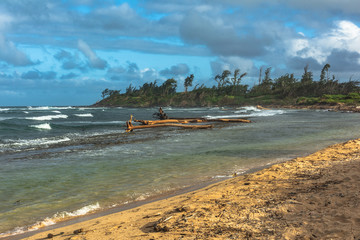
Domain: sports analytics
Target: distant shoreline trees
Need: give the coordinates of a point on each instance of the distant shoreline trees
(229, 87)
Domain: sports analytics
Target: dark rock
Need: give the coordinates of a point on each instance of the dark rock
(78, 231)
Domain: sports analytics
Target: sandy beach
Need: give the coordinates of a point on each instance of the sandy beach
(313, 197)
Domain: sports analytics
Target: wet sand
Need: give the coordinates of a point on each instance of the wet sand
(313, 197)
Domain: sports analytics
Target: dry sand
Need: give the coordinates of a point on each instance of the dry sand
(314, 197)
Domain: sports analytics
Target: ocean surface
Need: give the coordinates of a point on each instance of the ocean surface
(62, 162)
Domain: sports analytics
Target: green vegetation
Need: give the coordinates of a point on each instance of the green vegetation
(328, 99)
(284, 90)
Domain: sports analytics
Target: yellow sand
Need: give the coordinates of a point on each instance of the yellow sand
(314, 197)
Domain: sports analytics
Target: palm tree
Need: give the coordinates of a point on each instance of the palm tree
(223, 79)
(236, 80)
(188, 82)
(325, 71)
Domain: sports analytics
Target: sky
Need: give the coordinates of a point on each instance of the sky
(66, 52)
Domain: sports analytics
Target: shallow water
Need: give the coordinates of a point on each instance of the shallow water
(64, 162)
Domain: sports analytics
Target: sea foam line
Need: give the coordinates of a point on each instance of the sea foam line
(48, 108)
(47, 117)
(32, 142)
(52, 220)
(265, 113)
(84, 115)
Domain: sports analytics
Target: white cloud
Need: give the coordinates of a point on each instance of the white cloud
(11, 54)
(94, 60)
(344, 36)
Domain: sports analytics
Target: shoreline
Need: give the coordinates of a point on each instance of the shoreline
(307, 197)
(137, 203)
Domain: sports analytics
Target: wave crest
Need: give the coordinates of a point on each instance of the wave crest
(84, 115)
(42, 126)
(58, 217)
(47, 117)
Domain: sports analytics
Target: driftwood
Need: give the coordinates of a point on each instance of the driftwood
(131, 127)
(172, 120)
(176, 122)
(262, 108)
(160, 115)
(229, 120)
(190, 120)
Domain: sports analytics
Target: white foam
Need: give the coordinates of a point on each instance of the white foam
(4, 109)
(264, 113)
(52, 220)
(47, 117)
(32, 142)
(84, 115)
(56, 111)
(79, 212)
(42, 126)
(48, 108)
(248, 109)
(251, 108)
(39, 108)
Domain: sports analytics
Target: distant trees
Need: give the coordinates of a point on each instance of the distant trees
(307, 77)
(287, 86)
(229, 88)
(169, 87)
(230, 85)
(265, 85)
(188, 82)
(324, 76)
(107, 93)
(237, 77)
(223, 79)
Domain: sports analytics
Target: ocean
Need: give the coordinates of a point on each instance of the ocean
(58, 163)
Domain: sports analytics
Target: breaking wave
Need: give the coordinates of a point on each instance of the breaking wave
(42, 126)
(84, 115)
(251, 113)
(248, 108)
(11, 144)
(58, 217)
(48, 108)
(47, 117)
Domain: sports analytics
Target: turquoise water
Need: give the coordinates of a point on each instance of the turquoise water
(65, 162)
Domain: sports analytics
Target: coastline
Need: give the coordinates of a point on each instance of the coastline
(43, 227)
(307, 197)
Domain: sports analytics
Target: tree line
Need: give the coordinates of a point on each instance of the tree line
(230, 84)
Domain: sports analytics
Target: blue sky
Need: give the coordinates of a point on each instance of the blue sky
(66, 52)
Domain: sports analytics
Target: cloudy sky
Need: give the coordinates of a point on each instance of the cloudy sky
(66, 52)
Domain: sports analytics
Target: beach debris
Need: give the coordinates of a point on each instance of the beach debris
(130, 127)
(158, 227)
(160, 115)
(50, 235)
(77, 231)
(262, 108)
(165, 121)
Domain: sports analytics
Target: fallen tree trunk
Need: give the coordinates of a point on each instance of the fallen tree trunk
(131, 127)
(189, 120)
(182, 121)
(229, 120)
